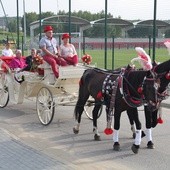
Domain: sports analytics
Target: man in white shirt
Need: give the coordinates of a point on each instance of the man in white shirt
(7, 51)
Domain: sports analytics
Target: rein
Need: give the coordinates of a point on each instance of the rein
(124, 90)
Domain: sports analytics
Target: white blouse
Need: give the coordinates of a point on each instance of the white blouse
(8, 52)
(67, 51)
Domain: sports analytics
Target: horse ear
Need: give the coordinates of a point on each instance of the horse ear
(148, 73)
(128, 67)
(154, 63)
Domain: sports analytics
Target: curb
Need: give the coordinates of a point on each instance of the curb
(166, 105)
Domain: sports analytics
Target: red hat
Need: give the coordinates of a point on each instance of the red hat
(48, 28)
(66, 35)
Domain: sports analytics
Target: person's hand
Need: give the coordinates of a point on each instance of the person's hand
(55, 56)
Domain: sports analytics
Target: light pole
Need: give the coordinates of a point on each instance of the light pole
(17, 24)
(70, 18)
(40, 24)
(25, 34)
(154, 30)
(105, 61)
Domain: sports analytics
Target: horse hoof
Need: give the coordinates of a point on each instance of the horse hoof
(150, 145)
(75, 131)
(116, 146)
(135, 148)
(97, 137)
(134, 135)
(143, 134)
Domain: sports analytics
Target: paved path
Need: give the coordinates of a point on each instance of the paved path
(26, 144)
(17, 156)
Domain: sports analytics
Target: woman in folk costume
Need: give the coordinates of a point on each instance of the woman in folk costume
(143, 58)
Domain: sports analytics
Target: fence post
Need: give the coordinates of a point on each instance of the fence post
(113, 52)
(84, 44)
(59, 39)
(149, 45)
(22, 45)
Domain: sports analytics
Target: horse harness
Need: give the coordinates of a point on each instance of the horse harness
(110, 87)
(163, 95)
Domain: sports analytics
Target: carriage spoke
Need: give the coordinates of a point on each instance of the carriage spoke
(45, 106)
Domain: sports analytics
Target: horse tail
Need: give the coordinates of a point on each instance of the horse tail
(82, 96)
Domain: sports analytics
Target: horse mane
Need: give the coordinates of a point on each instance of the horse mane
(105, 71)
(163, 67)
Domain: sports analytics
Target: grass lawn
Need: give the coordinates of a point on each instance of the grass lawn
(122, 57)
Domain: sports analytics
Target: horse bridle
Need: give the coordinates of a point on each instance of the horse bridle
(156, 83)
(162, 95)
(141, 96)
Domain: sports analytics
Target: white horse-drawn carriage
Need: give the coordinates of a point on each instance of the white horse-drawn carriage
(48, 91)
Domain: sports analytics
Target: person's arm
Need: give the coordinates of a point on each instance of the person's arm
(11, 52)
(42, 45)
(3, 53)
(48, 52)
(59, 51)
(74, 50)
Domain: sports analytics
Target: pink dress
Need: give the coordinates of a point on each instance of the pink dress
(17, 63)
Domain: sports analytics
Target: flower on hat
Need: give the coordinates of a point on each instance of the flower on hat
(87, 59)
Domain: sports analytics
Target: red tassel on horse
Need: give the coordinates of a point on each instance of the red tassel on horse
(99, 95)
(160, 121)
(167, 76)
(140, 90)
(108, 131)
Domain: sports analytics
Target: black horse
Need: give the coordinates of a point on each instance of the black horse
(162, 71)
(118, 93)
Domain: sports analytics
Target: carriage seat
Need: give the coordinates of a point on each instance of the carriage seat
(65, 72)
(6, 59)
(4, 65)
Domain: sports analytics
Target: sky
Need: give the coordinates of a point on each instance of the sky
(126, 9)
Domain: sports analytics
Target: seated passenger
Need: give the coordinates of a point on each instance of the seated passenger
(7, 51)
(48, 45)
(33, 61)
(18, 62)
(67, 50)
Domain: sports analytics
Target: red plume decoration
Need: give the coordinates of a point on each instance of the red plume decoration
(167, 76)
(140, 90)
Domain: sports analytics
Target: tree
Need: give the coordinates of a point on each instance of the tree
(12, 26)
(30, 17)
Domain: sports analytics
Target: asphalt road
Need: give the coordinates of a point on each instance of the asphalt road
(56, 147)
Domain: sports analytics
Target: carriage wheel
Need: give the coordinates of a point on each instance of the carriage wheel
(45, 106)
(88, 108)
(4, 94)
